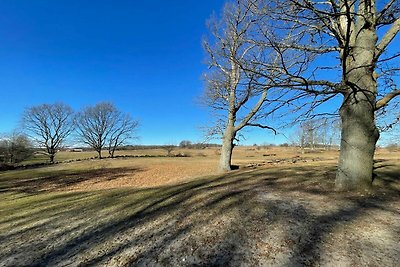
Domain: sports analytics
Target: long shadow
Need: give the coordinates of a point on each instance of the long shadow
(59, 180)
(387, 175)
(208, 222)
(308, 250)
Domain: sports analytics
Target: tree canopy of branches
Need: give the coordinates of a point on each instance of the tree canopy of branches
(235, 91)
(353, 38)
(104, 126)
(49, 125)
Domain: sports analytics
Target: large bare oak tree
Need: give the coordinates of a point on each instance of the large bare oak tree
(104, 126)
(49, 125)
(357, 35)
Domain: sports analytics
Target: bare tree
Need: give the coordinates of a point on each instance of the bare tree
(307, 134)
(234, 89)
(321, 132)
(15, 148)
(356, 35)
(123, 130)
(49, 125)
(185, 144)
(328, 132)
(169, 148)
(103, 125)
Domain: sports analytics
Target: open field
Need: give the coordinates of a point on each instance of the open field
(278, 209)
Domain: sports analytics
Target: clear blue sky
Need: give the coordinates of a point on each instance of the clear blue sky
(144, 56)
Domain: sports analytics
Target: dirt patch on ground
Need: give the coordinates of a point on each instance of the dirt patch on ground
(151, 175)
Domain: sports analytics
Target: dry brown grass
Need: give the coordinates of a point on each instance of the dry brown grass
(143, 172)
(278, 209)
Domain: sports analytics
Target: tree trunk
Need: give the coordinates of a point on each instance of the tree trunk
(51, 158)
(99, 152)
(359, 131)
(226, 150)
(357, 147)
(52, 153)
(111, 152)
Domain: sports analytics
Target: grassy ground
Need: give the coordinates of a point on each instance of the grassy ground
(278, 209)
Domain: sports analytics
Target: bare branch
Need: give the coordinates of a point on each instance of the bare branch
(262, 127)
(386, 99)
(387, 38)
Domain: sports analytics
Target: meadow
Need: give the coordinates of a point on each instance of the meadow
(278, 208)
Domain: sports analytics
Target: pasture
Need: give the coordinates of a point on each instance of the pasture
(277, 209)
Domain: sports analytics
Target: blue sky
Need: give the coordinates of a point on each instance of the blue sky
(144, 56)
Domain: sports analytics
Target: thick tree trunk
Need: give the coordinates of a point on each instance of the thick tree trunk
(99, 152)
(357, 148)
(226, 150)
(359, 131)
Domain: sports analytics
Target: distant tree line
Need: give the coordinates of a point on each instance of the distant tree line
(317, 133)
(189, 145)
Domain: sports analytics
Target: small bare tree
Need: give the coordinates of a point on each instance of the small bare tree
(49, 125)
(169, 148)
(103, 125)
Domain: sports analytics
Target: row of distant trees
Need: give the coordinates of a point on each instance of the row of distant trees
(49, 126)
(317, 133)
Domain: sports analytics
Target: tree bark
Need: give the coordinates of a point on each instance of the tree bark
(359, 131)
(226, 150)
(358, 142)
(99, 152)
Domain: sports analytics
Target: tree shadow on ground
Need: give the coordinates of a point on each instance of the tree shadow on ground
(387, 175)
(61, 179)
(278, 216)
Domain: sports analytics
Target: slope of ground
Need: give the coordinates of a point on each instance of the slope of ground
(273, 212)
